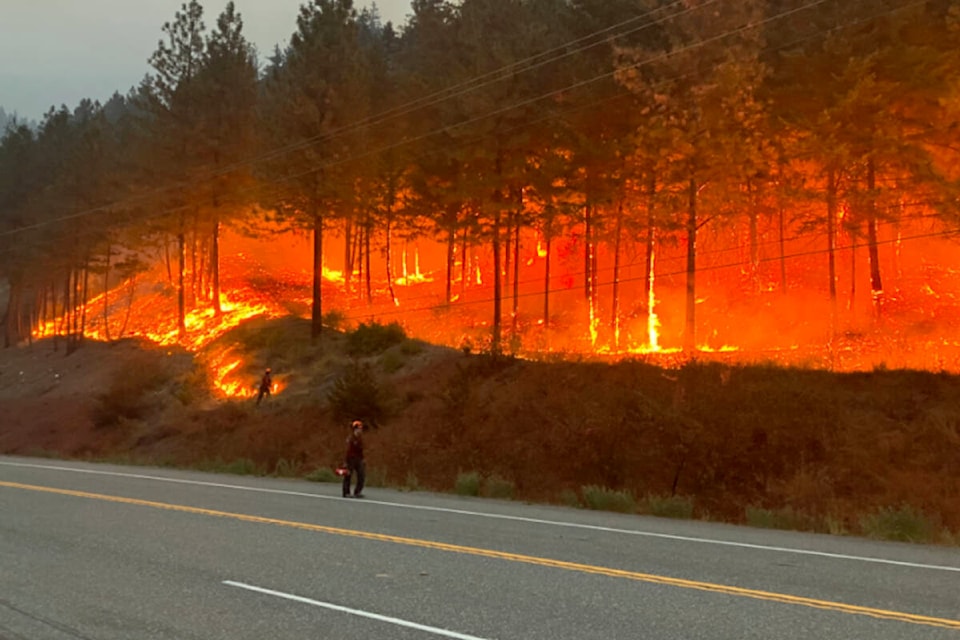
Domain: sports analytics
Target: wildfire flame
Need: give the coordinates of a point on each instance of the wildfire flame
(653, 322)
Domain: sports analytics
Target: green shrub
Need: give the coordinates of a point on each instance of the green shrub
(392, 361)
(569, 498)
(356, 395)
(333, 319)
(411, 483)
(904, 524)
(604, 499)
(374, 338)
(322, 474)
(127, 396)
(286, 468)
(468, 484)
(498, 487)
(785, 519)
(669, 506)
(376, 477)
(240, 467)
(411, 347)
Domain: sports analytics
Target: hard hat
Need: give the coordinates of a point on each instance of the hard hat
(356, 424)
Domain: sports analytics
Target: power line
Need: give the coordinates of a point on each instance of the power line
(437, 97)
(469, 121)
(657, 275)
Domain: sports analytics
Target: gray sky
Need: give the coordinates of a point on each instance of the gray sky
(55, 52)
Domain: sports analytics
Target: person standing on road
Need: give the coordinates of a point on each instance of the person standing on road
(355, 463)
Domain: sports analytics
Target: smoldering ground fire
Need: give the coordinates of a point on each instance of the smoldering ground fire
(744, 313)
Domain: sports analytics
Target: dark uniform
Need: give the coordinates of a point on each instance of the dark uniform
(266, 386)
(355, 463)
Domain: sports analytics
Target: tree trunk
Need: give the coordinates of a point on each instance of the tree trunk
(615, 302)
(463, 263)
(83, 302)
(347, 254)
(690, 328)
(651, 237)
(215, 267)
(181, 270)
(876, 284)
(106, 296)
(389, 257)
(10, 333)
(587, 251)
(832, 246)
(316, 313)
(451, 260)
(515, 312)
(783, 247)
(367, 232)
(495, 339)
(508, 253)
(547, 238)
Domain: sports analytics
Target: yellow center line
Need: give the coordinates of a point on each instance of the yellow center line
(841, 607)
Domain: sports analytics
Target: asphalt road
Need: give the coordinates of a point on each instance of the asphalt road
(106, 552)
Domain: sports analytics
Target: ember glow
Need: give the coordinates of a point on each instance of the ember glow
(919, 328)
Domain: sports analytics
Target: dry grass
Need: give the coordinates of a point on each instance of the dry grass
(842, 453)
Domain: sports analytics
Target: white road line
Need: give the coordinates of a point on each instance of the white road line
(356, 612)
(498, 516)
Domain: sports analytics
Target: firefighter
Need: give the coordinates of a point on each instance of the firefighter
(355, 463)
(266, 385)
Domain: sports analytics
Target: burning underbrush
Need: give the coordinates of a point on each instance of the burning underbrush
(775, 414)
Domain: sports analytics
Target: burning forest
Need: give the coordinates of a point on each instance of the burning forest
(773, 184)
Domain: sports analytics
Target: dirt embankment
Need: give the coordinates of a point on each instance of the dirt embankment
(821, 447)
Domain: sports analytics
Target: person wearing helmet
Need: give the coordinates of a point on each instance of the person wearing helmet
(266, 385)
(355, 463)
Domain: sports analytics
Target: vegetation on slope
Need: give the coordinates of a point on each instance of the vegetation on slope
(873, 453)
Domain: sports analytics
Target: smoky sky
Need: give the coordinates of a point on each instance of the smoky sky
(58, 52)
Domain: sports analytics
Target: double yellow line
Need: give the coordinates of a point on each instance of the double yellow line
(514, 557)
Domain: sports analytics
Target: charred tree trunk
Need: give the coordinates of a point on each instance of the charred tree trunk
(508, 251)
(547, 239)
(463, 263)
(832, 246)
(389, 256)
(690, 327)
(781, 230)
(451, 261)
(316, 311)
(181, 286)
(651, 238)
(876, 284)
(215, 267)
(496, 337)
(84, 296)
(348, 254)
(515, 312)
(754, 240)
(367, 232)
(167, 261)
(587, 252)
(10, 331)
(615, 302)
(194, 272)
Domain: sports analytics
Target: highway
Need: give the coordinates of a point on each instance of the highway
(108, 552)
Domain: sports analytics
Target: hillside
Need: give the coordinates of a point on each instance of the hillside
(873, 453)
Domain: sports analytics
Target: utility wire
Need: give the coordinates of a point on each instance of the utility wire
(473, 120)
(446, 94)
